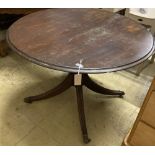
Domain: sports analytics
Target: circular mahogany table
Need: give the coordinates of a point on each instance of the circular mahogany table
(60, 38)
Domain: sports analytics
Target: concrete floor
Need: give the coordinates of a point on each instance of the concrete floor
(55, 121)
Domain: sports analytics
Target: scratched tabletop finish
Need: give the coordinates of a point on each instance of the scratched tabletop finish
(59, 38)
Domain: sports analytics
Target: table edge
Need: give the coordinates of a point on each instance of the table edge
(75, 69)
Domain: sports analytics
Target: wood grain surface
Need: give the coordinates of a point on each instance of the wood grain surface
(59, 38)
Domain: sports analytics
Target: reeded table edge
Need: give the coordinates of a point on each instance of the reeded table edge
(75, 69)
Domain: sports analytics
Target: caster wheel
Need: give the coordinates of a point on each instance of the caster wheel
(86, 139)
(28, 100)
(121, 96)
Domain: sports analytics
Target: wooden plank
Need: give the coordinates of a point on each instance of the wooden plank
(149, 112)
(144, 135)
(152, 87)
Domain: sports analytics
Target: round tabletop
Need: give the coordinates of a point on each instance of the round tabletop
(60, 38)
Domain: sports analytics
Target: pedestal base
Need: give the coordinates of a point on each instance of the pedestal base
(67, 83)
